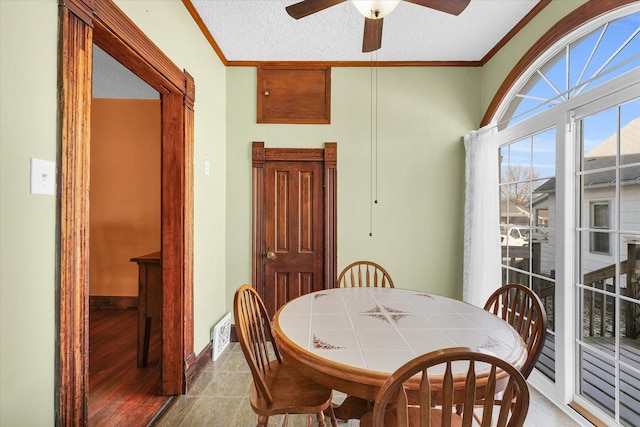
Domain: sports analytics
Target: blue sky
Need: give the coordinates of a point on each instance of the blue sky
(595, 55)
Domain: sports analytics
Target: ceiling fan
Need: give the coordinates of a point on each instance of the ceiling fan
(374, 11)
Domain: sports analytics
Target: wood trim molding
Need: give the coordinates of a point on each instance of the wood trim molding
(198, 365)
(353, 64)
(172, 243)
(82, 9)
(258, 214)
(331, 213)
(515, 30)
(117, 35)
(102, 302)
(597, 422)
(189, 114)
(75, 73)
(575, 19)
(207, 35)
(83, 23)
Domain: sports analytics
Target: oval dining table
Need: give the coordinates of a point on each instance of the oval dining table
(352, 339)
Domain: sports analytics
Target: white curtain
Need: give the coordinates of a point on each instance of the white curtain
(481, 274)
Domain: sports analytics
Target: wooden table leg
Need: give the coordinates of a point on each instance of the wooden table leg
(353, 408)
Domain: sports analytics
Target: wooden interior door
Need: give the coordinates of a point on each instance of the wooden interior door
(294, 222)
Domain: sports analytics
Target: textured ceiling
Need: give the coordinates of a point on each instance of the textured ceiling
(261, 30)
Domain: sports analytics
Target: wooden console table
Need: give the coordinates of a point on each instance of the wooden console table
(149, 300)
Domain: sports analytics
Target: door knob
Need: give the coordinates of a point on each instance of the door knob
(271, 255)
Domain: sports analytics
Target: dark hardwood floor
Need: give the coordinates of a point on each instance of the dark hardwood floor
(120, 393)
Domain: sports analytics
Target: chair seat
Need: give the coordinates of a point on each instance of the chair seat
(292, 392)
(391, 419)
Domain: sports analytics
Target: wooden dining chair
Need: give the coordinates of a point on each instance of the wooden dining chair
(522, 309)
(364, 274)
(278, 388)
(424, 392)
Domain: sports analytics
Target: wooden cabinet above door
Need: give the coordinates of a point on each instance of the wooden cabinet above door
(294, 94)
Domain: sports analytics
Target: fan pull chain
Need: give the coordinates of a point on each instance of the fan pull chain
(373, 170)
(371, 135)
(376, 183)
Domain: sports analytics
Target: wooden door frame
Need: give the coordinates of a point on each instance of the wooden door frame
(329, 156)
(81, 24)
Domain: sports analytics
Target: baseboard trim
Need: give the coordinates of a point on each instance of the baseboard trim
(102, 302)
(195, 365)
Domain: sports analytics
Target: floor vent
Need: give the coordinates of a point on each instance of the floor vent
(221, 335)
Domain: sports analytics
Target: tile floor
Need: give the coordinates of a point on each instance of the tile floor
(220, 398)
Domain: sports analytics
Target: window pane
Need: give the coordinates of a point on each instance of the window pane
(504, 162)
(596, 198)
(599, 143)
(618, 50)
(514, 275)
(546, 291)
(600, 215)
(544, 242)
(598, 312)
(544, 154)
(600, 243)
(580, 50)
(519, 157)
(555, 80)
(630, 395)
(630, 335)
(522, 108)
(597, 379)
(630, 206)
(630, 272)
(630, 138)
(630, 288)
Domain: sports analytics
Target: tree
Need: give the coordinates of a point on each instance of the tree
(520, 179)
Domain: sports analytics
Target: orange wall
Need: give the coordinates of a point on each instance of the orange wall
(125, 192)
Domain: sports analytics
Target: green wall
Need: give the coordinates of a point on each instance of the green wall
(28, 105)
(422, 115)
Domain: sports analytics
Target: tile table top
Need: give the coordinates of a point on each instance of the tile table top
(379, 329)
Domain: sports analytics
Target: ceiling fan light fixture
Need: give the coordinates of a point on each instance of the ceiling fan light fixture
(375, 9)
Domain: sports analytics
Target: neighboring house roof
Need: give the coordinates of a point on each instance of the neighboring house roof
(603, 156)
(602, 160)
(628, 175)
(629, 144)
(549, 186)
(513, 211)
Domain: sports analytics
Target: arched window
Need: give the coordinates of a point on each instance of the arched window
(567, 132)
(579, 66)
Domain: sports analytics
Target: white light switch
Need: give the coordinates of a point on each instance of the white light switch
(206, 167)
(43, 177)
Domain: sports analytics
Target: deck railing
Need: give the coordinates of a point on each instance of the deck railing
(602, 308)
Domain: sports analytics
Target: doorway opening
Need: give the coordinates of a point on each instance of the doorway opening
(102, 23)
(124, 222)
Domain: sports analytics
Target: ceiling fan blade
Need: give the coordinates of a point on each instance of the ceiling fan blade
(372, 35)
(454, 7)
(307, 7)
